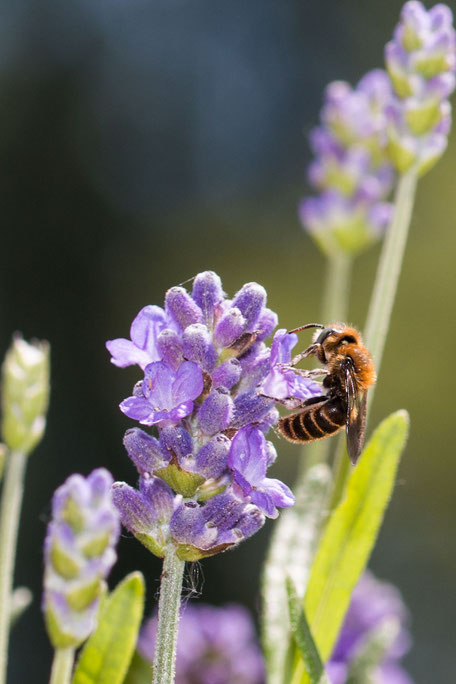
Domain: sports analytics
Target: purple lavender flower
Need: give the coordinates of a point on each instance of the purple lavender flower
(350, 169)
(203, 393)
(421, 61)
(165, 395)
(215, 646)
(281, 382)
(141, 349)
(249, 458)
(79, 553)
(373, 604)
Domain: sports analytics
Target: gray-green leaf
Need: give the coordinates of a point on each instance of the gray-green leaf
(351, 532)
(106, 656)
(304, 639)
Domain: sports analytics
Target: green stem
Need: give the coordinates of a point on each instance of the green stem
(389, 268)
(62, 666)
(168, 618)
(13, 489)
(337, 288)
(382, 302)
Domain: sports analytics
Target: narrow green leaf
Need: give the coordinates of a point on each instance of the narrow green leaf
(304, 639)
(291, 553)
(351, 532)
(106, 656)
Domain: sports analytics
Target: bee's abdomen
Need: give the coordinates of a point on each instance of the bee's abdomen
(314, 422)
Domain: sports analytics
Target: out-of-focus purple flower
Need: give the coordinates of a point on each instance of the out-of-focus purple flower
(166, 395)
(282, 382)
(202, 393)
(141, 348)
(350, 168)
(421, 61)
(78, 554)
(249, 458)
(215, 646)
(374, 604)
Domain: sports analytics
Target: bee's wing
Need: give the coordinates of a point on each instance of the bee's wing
(355, 423)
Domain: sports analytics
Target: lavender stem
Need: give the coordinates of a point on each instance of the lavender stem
(337, 290)
(62, 666)
(389, 268)
(13, 488)
(382, 301)
(168, 618)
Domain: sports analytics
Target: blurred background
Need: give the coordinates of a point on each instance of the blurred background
(142, 142)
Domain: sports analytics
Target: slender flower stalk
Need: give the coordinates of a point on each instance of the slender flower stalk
(13, 488)
(389, 268)
(25, 393)
(168, 618)
(337, 289)
(62, 666)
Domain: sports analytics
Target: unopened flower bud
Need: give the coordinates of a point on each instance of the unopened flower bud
(182, 308)
(25, 394)
(207, 293)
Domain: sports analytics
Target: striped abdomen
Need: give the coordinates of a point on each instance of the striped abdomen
(315, 421)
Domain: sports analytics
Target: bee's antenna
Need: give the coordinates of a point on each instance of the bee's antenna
(304, 327)
(189, 280)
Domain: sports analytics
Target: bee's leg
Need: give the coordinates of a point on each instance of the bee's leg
(310, 351)
(314, 373)
(290, 403)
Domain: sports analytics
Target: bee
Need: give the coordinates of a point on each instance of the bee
(349, 372)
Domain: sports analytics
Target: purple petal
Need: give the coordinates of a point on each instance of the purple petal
(188, 384)
(136, 408)
(124, 353)
(157, 384)
(248, 454)
(279, 493)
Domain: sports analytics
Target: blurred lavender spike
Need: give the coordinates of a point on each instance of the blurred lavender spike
(79, 551)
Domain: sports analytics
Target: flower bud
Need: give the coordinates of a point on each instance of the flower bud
(250, 300)
(182, 308)
(25, 394)
(207, 293)
(197, 346)
(216, 412)
(145, 512)
(229, 327)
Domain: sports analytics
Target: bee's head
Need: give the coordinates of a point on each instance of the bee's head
(336, 336)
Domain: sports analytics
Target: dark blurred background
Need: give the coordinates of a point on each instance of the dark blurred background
(142, 142)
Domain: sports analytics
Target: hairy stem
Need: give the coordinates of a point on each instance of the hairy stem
(13, 488)
(168, 618)
(62, 666)
(389, 268)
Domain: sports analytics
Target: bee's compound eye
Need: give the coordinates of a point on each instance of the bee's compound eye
(348, 339)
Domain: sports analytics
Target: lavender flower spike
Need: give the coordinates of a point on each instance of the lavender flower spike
(375, 606)
(78, 555)
(215, 646)
(350, 169)
(203, 471)
(421, 61)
